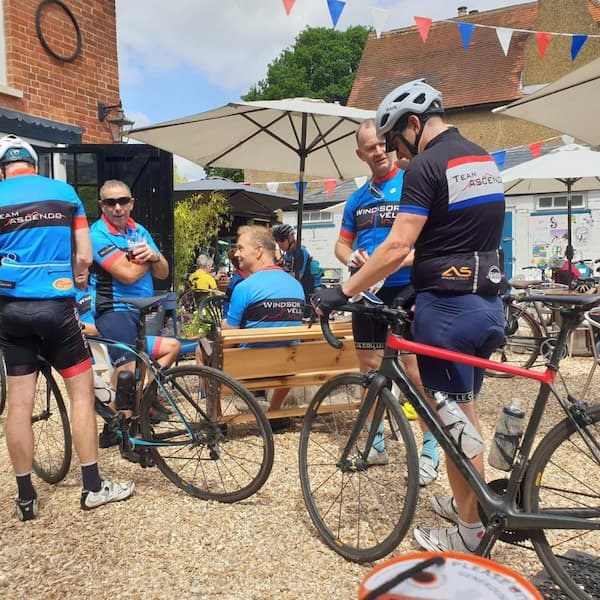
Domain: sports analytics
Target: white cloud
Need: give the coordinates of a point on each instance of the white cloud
(233, 41)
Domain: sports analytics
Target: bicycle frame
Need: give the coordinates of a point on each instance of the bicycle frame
(500, 509)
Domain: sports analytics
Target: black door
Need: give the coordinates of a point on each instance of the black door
(147, 170)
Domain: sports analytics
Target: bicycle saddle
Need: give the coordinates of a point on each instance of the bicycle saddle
(143, 303)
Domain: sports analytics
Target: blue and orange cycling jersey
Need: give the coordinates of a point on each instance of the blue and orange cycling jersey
(369, 215)
(109, 245)
(37, 219)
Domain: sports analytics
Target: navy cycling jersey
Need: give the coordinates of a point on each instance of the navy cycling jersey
(268, 298)
(37, 218)
(369, 215)
(109, 245)
(458, 187)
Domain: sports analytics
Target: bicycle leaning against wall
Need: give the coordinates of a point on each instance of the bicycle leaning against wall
(215, 442)
(551, 494)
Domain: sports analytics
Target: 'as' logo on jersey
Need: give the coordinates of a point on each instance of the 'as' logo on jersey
(457, 273)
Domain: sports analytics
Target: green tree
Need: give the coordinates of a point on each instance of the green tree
(236, 175)
(198, 220)
(321, 64)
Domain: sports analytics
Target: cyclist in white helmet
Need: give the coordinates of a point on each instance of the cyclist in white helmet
(452, 213)
(44, 243)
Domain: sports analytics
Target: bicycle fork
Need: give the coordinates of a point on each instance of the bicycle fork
(350, 461)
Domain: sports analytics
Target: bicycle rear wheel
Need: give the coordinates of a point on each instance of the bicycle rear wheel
(217, 443)
(362, 512)
(51, 431)
(522, 341)
(563, 478)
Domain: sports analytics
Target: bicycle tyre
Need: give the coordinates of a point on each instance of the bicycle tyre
(52, 451)
(560, 477)
(2, 382)
(523, 342)
(362, 514)
(226, 457)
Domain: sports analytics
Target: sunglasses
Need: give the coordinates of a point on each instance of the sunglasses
(114, 201)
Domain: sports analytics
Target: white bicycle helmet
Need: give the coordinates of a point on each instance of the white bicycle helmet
(415, 97)
(14, 149)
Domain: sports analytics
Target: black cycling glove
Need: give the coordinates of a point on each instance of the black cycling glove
(326, 299)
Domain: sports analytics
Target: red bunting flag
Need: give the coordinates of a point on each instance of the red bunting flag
(543, 41)
(423, 25)
(288, 5)
(329, 186)
(535, 149)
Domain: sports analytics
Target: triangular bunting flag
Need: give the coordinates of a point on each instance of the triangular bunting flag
(297, 184)
(466, 32)
(500, 158)
(288, 5)
(577, 42)
(423, 25)
(360, 181)
(535, 149)
(329, 186)
(380, 16)
(543, 41)
(335, 10)
(567, 139)
(504, 36)
(273, 186)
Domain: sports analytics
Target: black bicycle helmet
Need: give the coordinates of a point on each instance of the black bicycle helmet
(14, 149)
(412, 98)
(282, 231)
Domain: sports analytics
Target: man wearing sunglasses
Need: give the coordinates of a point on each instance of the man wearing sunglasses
(121, 270)
(368, 217)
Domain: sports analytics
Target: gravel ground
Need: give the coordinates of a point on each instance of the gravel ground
(162, 543)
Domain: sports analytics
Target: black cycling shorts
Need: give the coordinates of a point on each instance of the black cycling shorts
(48, 328)
(370, 333)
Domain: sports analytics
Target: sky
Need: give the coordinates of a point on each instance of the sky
(181, 57)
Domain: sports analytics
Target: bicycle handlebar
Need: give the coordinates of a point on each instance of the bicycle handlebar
(381, 311)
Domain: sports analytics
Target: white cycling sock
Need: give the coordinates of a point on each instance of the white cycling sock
(471, 533)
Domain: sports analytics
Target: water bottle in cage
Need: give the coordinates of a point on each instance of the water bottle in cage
(458, 425)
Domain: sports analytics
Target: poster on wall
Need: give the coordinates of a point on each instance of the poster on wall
(548, 236)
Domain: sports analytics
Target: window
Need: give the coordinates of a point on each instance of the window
(559, 202)
(316, 217)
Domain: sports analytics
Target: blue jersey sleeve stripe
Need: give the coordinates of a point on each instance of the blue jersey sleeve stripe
(414, 210)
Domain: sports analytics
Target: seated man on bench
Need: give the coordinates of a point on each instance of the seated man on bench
(268, 297)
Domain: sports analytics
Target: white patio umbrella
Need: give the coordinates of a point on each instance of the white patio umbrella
(298, 135)
(568, 104)
(570, 168)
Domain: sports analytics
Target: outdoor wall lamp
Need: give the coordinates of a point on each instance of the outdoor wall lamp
(117, 122)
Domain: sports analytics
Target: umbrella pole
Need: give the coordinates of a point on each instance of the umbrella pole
(569, 252)
(302, 153)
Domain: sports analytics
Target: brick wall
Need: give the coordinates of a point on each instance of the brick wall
(67, 92)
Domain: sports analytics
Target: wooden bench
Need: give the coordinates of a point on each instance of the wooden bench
(312, 361)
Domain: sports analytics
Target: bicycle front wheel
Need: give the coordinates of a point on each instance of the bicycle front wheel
(522, 342)
(217, 443)
(361, 511)
(52, 448)
(563, 478)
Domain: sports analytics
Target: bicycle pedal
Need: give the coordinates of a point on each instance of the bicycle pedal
(142, 458)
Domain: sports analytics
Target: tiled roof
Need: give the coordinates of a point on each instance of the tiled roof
(479, 75)
(594, 9)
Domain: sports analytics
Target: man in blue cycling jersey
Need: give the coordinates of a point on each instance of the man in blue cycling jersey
(452, 213)
(44, 242)
(121, 271)
(368, 217)
(268, 297)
